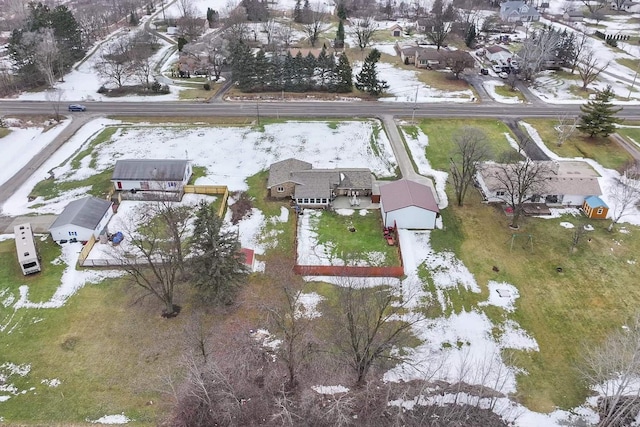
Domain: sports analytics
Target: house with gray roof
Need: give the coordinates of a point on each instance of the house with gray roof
(81, 219)
(408, 204)
(296, 179)
(567, 183)
(518, 11)
(151, 175)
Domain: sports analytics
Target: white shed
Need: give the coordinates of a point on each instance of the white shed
(408, 204)
(155, 175)
(80, 219)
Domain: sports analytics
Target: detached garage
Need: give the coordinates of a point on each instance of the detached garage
(81, 219)
(408, 204)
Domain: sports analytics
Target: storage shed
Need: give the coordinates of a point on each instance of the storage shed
(81, 219)
(595, 207)
(151, 174)
(408, 204)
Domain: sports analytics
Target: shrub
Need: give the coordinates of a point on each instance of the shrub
(102, 89)
(206, 86)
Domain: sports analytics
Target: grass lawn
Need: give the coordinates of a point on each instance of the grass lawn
(195, 94)
(603, 150)
(632, 134)
(366, 243)
(4, 132)
(506, 91)
(99, 184)
(441, 132)
(632, 64)
(596, 292)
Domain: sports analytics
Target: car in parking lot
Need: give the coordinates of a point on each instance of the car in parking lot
(503, 75)
(496, 68)
(77, 107)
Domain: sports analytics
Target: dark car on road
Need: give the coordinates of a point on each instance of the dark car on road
(77, 107)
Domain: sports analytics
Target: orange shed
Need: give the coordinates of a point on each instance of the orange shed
(594, 207)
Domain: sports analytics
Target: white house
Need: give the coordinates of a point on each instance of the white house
(156, 175)
(408, 204)
(516, 10)
(80, 219)
(568, 183)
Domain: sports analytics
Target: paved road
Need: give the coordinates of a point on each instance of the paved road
(39, 224)
(311, 109)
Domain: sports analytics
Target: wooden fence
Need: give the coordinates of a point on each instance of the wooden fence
(86, 249)
(350, 271)
(210, 190)
(343, 270)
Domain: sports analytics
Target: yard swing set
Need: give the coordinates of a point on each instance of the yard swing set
(528, 237)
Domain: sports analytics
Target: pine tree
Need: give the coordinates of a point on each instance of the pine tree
(261, 72)
(243, 65)
(340, 33)
(367, 80)
(344, 75)
(470, 37)
(321, 69)
(341, 11)
(288, 73)
(133, 19)
(598, 115)
(297, 12)
(217, 265)
(306, 12)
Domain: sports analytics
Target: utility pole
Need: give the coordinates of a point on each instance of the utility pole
(258, 111)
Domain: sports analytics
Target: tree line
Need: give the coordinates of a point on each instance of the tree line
(262, 73)
(47, 45)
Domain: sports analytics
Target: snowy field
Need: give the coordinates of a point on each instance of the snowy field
(23, 142)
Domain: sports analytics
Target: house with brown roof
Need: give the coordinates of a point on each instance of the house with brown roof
(395, 30)
(568, 183)
(409, 205)
(499, 55)
(296, 179)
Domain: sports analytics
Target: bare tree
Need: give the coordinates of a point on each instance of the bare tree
(284, 35)
(438, 30)
(519, 182)
(316, 23)
(595, 6)
(625, 194)
(566, 127)
(618, 4)
(236, 26)
(47, 54)
(55, 96)
(153, 256)
(472, 148)
(368, 325)
(580, 43)
(269, 28)
(114, 64)
(589, 68)
(537, 50)
(458, 61)
(612, 369)
(363, 31)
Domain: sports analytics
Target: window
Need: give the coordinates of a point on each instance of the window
(500, 193)
(280, 189)
(600, 210)
(73, 233)
(305, 201)
(172, 184)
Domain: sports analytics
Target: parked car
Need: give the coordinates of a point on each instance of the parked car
(484, 71)
(496, 68)
(77, 107)
(503, 75)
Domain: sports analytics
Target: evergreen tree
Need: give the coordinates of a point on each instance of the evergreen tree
(297, 12)
(470, 37)
(217, 265)
(322, 70)
(598, 115)
(242, 65)
(297, 73)
(309, 69)
(23, 42)
(306, 12)
(367, 80)
(288, 73)
(344, 75)
(261, 72)
(341, 11)
(133, 19)
(340, 33)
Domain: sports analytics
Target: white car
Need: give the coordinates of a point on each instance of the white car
(496, 68)
(503, 75)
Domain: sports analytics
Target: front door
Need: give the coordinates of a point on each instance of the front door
(119, 185)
